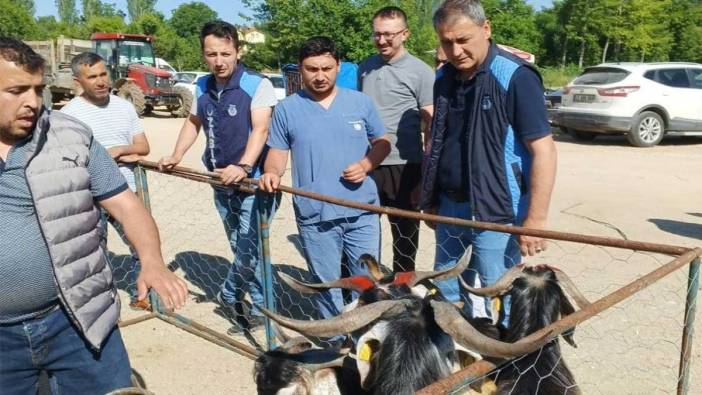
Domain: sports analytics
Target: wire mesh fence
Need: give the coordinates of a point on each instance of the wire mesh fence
(632, 347)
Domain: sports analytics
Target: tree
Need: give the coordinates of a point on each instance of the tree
(137, 8)
(187, 20)
(16, 21)
(67, 11)
(26, 4)
(93, 8)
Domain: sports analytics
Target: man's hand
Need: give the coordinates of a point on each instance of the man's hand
(269, 182)
(169, 287)
(356, 172)
(530, 245)
(115, 152)
(168, 162)
(231, 174)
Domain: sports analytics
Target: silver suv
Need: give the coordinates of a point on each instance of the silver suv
(645, 101)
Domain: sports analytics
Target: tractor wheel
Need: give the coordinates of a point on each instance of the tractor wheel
(185, 99)
(131, 93)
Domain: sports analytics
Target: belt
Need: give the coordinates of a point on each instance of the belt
(458, 196)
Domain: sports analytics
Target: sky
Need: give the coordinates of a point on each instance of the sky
(227, 10)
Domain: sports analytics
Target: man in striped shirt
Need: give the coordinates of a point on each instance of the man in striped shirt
(116, 126)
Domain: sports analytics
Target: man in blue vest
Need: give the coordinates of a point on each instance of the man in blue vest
(492, 155)
(234, 106)
(58, 303)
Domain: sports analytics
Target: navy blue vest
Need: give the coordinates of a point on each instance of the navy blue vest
(226, 116)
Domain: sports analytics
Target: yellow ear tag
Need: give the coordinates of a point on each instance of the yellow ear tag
(432, 291)
(365, 353)
(496, 305)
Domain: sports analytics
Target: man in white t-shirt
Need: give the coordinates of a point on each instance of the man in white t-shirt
(116, 126)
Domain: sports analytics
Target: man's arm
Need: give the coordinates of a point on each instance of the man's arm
(260, 120)
(357, 171)
(142, 234)
(186, 138)
(138, 147)
(542, 178)
(273, 169)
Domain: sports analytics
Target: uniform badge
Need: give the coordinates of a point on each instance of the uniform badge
(357, 125)
(232, 110)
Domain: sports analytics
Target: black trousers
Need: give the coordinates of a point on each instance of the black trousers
(395, 185)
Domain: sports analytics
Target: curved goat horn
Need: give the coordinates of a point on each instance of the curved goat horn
(336, 363)
(344, 323)
(570, 289)
(452, 322)
(355, 283)
(500, 287)
(418, 276)
(373, 266)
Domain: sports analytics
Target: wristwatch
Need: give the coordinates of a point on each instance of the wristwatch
(247, 168)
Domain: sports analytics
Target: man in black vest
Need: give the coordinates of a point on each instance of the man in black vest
(492, 155)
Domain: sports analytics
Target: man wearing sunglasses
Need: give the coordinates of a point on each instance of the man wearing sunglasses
(401, 87)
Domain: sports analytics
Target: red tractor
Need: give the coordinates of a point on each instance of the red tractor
(135, 77)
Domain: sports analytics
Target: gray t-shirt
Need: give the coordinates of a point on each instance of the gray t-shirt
(26, 279)
(399, 89)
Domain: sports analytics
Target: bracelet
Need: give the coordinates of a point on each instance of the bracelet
(247, 168)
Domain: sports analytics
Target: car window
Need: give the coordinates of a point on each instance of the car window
(277, 82)
(696, 76)
(601, 76)
(676, 78)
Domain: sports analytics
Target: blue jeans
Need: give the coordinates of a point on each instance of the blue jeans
(492, 255)
(238, 211)
(51, 343)
(325, 243)
(132, 274)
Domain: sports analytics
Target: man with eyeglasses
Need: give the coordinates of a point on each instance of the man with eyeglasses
(401, 87)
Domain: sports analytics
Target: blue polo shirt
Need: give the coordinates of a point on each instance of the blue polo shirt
(27, 286)
(323, 142)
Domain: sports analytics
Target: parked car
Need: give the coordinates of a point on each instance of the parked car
(187, 79)
(278, 85)
(645, 101)
(552, 98)
(163, 65)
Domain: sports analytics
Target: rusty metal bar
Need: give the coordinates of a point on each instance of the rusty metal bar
(208, 334)
(137, 320)
(567, 322)
(693, 285)
(547, 234)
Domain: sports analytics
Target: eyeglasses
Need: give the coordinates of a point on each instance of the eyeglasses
(386, 35)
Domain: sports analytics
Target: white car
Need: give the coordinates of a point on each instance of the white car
(278, 85)
(187, 79)
(645, 101)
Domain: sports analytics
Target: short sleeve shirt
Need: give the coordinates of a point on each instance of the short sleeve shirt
(323, 142)
(113, 125)
(399, 89)
(26, 276)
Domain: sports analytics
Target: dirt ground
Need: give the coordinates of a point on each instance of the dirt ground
(605, 188)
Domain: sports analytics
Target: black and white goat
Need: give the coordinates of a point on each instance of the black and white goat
(298, 367)
(402, 345)
(539, 297)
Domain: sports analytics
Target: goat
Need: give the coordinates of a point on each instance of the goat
(401, 347)
(539, 298)
(298, 367)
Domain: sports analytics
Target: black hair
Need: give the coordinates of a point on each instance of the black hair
(391, 12)
(14, 50)
(318, 45)
(220, 29)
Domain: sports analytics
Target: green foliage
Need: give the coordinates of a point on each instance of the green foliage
(67, 11)
(555, 77)
(92, 8)
(16, 21)
(27, 5)
(188, 19)
(137, 8)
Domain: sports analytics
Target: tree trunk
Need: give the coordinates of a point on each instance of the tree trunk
(565, 51)
(604, 51)
(582, 54)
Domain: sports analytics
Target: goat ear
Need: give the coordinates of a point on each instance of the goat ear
(567, 309)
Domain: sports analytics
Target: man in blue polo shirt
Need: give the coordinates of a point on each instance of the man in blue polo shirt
(233, 104)
(335, 136)
(492, 155)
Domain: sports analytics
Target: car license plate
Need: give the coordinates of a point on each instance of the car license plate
(579, 98)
